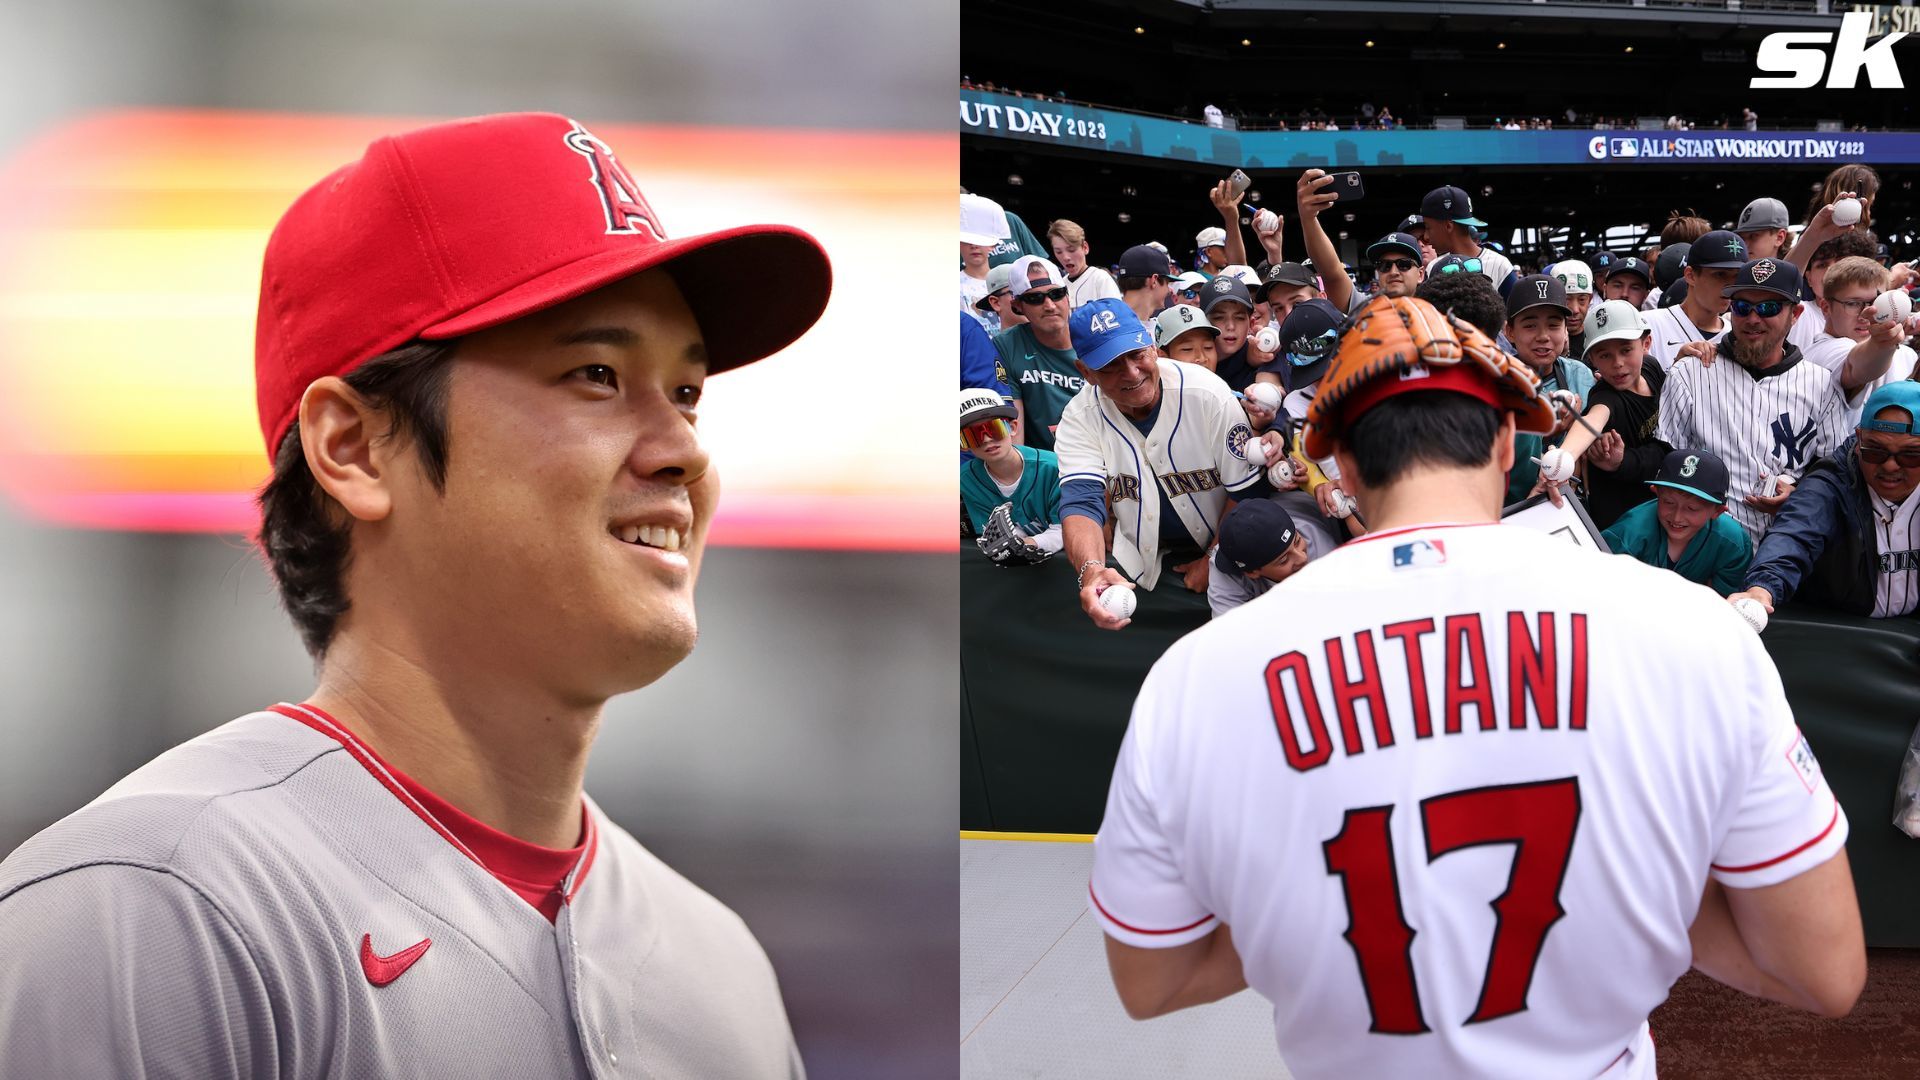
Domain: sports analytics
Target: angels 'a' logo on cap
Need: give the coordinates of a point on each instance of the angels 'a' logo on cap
(626, 209)
(1762, 270)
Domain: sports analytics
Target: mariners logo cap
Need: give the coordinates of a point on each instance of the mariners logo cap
(1450, 204)
(451, 229)
(1106, 328)
(1177, 320)
(1253, 534)
(1717, 250)
(1762, 214)
(978, 403)
(1776, 276)
(1630, 265)
(1695, 472)
(1394, 241)
(1611, 320)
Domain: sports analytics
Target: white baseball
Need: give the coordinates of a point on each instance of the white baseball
(1846, 211)
(1343, 505)
(1266, 394)
(1119, 601)
(1256, 451)
(1568, 397)
(1892, 304)
(1556, 465)
(1266, 223)
(1280, 474)
(1750, 610)
(1268, 339)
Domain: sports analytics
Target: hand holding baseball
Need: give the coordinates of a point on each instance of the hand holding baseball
(1283, 475)
(1106, 612)
(1266, 222)
(1751, 611)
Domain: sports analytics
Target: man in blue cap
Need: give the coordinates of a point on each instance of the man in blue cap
(1158, 445)
(1848, 537)
(1450, 224)
(1685, 527)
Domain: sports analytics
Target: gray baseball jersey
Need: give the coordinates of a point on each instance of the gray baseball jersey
(267, 901)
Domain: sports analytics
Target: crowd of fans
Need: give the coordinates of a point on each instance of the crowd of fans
(1735, 404)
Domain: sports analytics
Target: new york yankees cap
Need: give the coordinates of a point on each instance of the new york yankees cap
(455, 228)
(1253, 534)
(1763, 214)
(1537, 290)
(1717, 250)
(1695, 472)
(1104, 329)
(1177, 320)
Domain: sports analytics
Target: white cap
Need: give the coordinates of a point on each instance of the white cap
(1177, 320)
(1611, 320)
(1574, 275)
(1188, 280)
(1213, 237)
(1247, 274)
(1020, 278)
(979, 403)
(982, 222)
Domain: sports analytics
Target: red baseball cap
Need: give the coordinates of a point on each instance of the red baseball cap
(462, 226)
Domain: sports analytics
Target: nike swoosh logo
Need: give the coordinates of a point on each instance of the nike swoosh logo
(382, 970)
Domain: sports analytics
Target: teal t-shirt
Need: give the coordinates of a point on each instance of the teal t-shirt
(1022, 242)
(1036, 500)
(1520, 482)
(1716, 557)
(1046, 379)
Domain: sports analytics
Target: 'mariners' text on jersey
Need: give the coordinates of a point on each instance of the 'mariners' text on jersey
(1365, 669)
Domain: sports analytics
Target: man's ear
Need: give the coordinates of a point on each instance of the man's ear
(1503, 443)
(350, 459)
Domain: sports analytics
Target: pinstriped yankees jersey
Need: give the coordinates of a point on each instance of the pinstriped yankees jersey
(1773, 424)
(1896, 532)
(1671, 329)
(1445, 807)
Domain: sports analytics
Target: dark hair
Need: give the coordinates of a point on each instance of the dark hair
(1684, 229)
(303, 533)
(1855, 177)
(1130, 283)
(1434, 427)
(1853, 242)
(1468, 295)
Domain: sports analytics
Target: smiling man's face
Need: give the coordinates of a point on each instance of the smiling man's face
(1132, 380)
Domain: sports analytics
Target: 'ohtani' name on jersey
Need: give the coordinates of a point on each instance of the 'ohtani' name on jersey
(1316, 700)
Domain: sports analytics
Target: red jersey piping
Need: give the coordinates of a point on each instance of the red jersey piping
(1103, 910)
(1831, 822)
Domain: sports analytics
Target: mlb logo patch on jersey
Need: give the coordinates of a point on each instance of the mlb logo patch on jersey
(1420, 553)
(1805, 765)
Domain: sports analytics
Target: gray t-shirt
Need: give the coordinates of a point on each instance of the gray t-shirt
(260, 901)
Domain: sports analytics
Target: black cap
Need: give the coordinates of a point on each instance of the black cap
(1600, 260)
(1673, 293)
(1695, 472)
(1222, 289)
(1667, 268)
(1253, 534)
(1537, 290)
(1291, 274)
(1450, 204)
(1717, 250)
(1629, 265)
(1307, 338)
(1140, 260)
(1395, 241)
(1776, 276)
(1414, 221)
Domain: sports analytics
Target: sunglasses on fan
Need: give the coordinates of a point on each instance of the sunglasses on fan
(1036, 298)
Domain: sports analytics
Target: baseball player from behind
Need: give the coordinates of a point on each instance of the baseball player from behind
(479, 361)
(1444, 816)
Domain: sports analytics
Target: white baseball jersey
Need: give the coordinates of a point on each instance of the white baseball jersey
(1092, 284)
(268, 899)
(1458, 818)
(1773, 425)
(1896, 534)
(1831, 353)
(1671, 329)
(1196, 452)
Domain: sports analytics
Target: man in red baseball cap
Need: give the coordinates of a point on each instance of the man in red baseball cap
(480, 361)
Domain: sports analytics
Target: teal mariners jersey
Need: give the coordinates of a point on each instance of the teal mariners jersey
(270, 900)
(1046, 379)
(1036, 500)
(1716, 557)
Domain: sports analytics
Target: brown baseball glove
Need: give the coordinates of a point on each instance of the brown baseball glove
(1405, 337)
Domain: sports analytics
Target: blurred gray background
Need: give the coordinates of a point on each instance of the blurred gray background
(801, 765)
